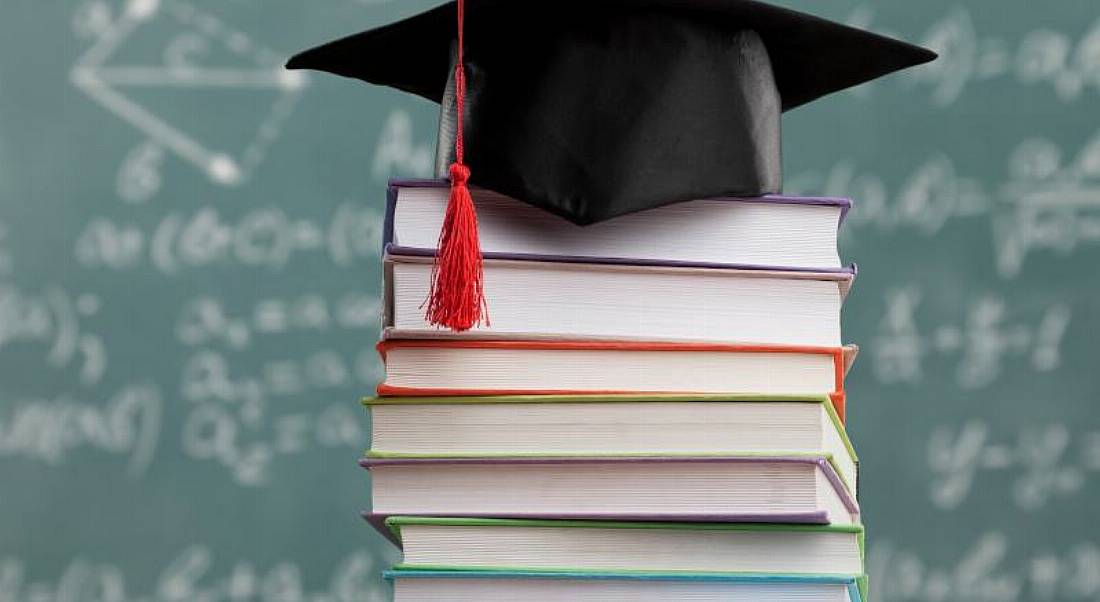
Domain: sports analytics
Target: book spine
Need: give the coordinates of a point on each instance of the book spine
(837, 396)
(387, 222)
(389, 246)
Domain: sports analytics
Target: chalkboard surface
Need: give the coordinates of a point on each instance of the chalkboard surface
(189, 243)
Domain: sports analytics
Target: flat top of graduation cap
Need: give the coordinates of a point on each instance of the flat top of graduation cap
(596, 108)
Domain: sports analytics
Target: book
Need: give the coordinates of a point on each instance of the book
(491, 367)
(619, 426)
(510, 586)
(757, 489)
(531, 545)
(540, 299)
(799, 233)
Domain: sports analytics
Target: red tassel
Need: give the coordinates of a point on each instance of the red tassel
(457, 298)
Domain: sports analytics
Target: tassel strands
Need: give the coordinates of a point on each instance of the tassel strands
(457, 297)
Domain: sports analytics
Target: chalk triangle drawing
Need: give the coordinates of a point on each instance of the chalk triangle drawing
(253, 67)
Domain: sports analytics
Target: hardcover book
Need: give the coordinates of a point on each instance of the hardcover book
(799, 233)
(554, 300)
(610, 426)
(526, 367)
(758, 489)
(532, 545)
(599, 275)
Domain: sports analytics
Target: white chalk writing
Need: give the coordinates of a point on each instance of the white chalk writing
(52, 319)
(196, 43)
(1066, 64)
(261, 238)
(229, 422)
(1053, 203)
(1050, 460)
(53, 430)
(206, 320)
(986, 572)
(980, 345)
(190, 577)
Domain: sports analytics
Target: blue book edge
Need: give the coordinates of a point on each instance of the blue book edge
(854, 583)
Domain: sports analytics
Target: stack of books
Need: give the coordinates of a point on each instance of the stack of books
(653, 412)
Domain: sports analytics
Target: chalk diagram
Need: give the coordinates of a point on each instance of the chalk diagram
(194, 35)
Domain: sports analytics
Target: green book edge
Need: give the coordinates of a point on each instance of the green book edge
(518, 399)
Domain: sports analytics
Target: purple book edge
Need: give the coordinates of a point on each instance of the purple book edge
(388, 245)
(851, 270)
(801, 517)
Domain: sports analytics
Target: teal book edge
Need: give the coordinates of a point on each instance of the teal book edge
(395, 524)
(854, 583)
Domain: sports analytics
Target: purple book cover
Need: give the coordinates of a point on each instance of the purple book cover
(815, 517)
(389, 247)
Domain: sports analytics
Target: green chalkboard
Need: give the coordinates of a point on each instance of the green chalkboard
(189, 243)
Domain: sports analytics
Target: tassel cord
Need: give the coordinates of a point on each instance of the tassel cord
(457, 297)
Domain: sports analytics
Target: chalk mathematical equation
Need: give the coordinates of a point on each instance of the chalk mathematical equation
(230, 419)
(247, 445)
(190, 577)
(208, 375)
(261, 238)
(1049, 462)
(989, 570)
(1049, 202)
(981, 345)
(57, 430)
(207, 321)
(1067, 64)
(930, 197)
(200, 52)
(398, 153)
(52, 321)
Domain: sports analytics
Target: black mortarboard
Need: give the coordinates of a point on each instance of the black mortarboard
(592, 109)
(596, 108)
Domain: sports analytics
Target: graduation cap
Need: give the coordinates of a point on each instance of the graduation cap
(592, 109)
